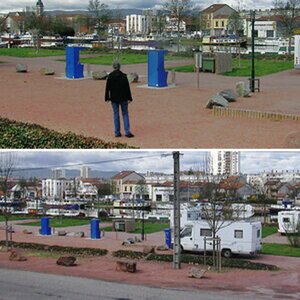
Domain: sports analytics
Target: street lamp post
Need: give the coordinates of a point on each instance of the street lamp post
(252, 80)
(143, 221)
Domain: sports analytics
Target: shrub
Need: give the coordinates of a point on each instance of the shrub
(226, 262)
(61, 249)
(20, 135)
(129, 254)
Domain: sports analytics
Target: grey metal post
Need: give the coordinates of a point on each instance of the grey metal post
(252, 86)
(176, 248)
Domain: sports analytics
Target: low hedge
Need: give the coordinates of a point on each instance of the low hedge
(61, 249)
(197, 259)
(129, 254)
(19, 135)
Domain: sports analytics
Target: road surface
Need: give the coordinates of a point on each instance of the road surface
(15, 284)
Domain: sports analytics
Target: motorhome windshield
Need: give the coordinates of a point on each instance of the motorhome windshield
(186, 232)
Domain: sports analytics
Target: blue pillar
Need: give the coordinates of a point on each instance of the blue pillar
(95, 230)
(157, 76)
(45, 228)
(73, 68)
(168, 237)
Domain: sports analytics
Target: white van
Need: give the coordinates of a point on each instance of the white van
(288, 221)
(240, 237)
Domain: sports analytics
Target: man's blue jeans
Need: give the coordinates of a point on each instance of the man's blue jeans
(124, 108)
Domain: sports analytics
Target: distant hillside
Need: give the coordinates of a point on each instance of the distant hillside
(41, 174)
(114, 12)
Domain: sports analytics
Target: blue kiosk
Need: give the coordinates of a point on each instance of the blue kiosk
(95, 231)
(74, 69)
(45, 228)
(157, 76)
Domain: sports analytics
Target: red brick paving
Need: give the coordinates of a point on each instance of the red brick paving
(283, 284)
(169, 118)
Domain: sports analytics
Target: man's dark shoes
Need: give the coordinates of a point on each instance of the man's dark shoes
(118, 135)
(129, 135)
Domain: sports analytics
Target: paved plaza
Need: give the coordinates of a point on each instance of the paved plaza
(282, 284)
(166, 118)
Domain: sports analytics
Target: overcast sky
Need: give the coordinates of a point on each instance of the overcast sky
(251, 161)
(13, 5)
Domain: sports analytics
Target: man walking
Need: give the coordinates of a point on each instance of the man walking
(118, 92)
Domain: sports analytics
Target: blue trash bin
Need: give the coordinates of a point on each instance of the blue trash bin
(168, 237)
(45, 228)
(95, 230)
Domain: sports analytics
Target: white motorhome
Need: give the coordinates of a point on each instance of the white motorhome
(297, 52)
(288, 221)
(242, 237)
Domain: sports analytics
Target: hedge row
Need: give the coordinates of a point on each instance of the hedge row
(61, 249)
(197, 259)
(129, 254)
(20, 135)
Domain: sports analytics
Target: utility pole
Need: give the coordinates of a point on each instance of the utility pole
(252, 81)
(176, 203)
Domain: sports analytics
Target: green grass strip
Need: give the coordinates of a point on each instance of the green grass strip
(30, 52)
(268, 230)
(20, 135)
(123, 58)
(280, 250)
(59, 223)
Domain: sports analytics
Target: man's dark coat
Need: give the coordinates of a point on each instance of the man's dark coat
(117, 87)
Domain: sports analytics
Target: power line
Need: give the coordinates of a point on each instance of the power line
(91, 163)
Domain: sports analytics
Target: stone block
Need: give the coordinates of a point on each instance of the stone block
(217, 100)
(126, 266)
(47, 71)
(99, 75)
(229, 95)
(133, 77)
(67, 261)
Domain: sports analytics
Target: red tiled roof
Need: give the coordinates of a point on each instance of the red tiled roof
(122, 174)
(213, 8)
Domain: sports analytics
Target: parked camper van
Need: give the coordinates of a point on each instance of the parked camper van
(297, 52)
(288, 221)
(240, 237)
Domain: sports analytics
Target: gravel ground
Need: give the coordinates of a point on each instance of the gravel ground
(166, 118)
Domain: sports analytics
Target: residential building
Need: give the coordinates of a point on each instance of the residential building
(264, 27)
(225, 162)
(172, 26)
(137, 24)
(85, 172)
(55, 188)
(58, 173)
(15, 22)
(215, 19)
(125, 183)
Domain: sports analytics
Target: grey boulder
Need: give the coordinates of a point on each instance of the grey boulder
(217, 100)
(99, 75)
(47, 71)
(21, 68)
(133, 77)
(229, 95)
(243, 89)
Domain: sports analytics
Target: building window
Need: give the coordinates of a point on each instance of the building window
(125, 188)
(158, 198)
(286, 220)
(258, 233)
(217, 23)
(270, 33)
(223, 24)
(130, 189)
(205, 232)
(238, 234)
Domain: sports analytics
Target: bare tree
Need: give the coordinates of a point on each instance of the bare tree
(178, 9)
(7, 164)
(100, 15)
(288, 13)
(3, 26)
(218, 212)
